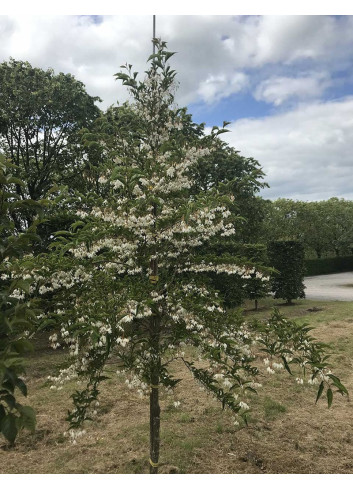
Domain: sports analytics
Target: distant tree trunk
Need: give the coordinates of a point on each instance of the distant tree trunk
(256, 304)
(318, 252)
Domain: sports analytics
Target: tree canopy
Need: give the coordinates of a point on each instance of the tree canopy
(40, 114)
(324, 228)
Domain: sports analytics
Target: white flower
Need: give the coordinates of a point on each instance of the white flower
(313, 381)
(243, 405)
(277, 366)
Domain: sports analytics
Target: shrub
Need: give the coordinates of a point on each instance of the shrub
(287, 257)
(329, 265)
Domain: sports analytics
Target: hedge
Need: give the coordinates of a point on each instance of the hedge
(287, 257)
(322, 266)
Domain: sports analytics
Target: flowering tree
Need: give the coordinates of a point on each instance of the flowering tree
(128, 279)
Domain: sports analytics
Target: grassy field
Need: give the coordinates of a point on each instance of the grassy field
(288, 433)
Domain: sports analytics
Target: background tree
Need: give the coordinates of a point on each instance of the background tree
(241, 177)
(314, 227)
(325, 228)
(281, 221)
(40, 115)
(339, 221)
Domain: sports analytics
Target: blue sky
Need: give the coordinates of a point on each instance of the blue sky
(284, 82)
(233, 107)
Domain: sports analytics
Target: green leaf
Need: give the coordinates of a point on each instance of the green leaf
(2, 412)
(22, 386)
(168, 54)
(15, 180)
(286, 366)
(10, 400)
(338, 384)
(329, 397)
(28, 417)
(20, 284)
(8, 427)
(62, 233)
(122, 76)
(221, 131)
(320, 391)
(77, 224)
(23, 345)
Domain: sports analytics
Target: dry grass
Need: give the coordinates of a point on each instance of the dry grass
(288, 433)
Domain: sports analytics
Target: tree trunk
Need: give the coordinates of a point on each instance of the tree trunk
(155, 410)
(155, 421)
(255, 304)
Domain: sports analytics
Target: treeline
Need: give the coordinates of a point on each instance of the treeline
(325, 228)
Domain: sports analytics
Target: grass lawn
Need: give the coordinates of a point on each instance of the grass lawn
(287, 433)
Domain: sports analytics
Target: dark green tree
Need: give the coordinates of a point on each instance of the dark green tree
(243, 178)
(287, 257)
(40, 115)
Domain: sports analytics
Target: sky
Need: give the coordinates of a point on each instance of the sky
(285, 82)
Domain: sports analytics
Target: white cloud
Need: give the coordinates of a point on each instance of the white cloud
(306, 153)
(286, 38)
(214, 88)
(277, 90)
(209, 47)
(92, 52)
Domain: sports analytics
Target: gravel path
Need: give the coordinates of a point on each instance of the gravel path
(333, 287)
